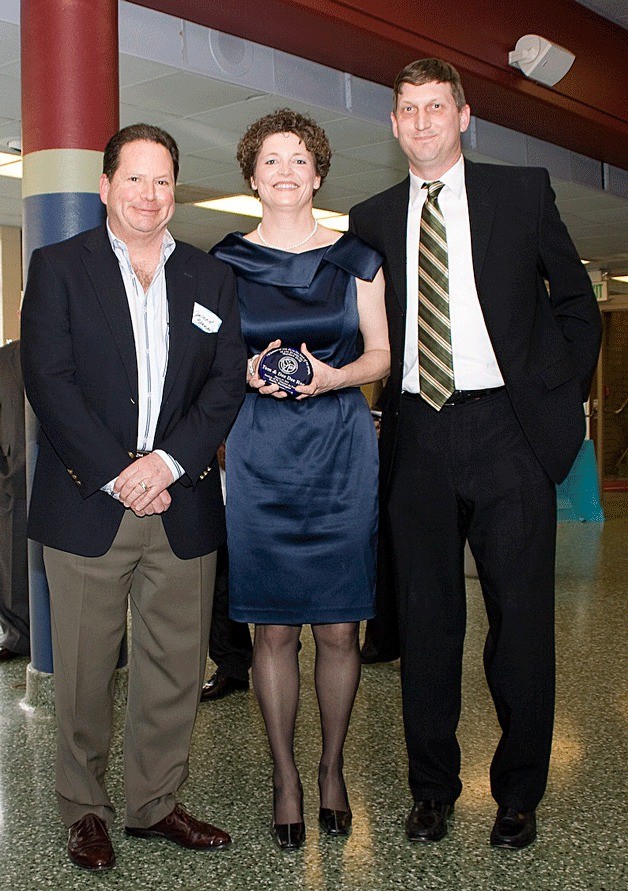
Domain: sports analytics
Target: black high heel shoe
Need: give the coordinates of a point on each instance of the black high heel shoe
(288, 836)
(335, 822)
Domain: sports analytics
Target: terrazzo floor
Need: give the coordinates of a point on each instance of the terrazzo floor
(582, 820)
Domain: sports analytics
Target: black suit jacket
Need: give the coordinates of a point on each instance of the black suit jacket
(80, 373)
(12, 448)
(13, 564)
(546, 345)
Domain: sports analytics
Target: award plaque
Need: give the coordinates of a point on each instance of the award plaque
(286, 367)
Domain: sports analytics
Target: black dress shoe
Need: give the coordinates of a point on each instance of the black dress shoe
(220, 685)
(6, 654)
(335, 822)
(370, 655)
(513, 829)
(427, 821)
(89, 845)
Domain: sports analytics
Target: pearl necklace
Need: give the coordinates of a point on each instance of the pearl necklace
(292, 246)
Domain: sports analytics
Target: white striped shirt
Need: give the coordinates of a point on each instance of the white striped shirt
(475, 365)
(149, 317)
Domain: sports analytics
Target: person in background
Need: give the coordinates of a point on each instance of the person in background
(482, 416)
(230, 645)
(14, 623)
(302, 471)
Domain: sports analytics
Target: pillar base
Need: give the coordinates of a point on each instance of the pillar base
(40, 691)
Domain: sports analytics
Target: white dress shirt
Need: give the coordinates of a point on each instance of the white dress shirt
(475, 365)
(149, 317)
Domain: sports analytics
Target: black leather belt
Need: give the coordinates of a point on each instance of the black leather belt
(460, 397)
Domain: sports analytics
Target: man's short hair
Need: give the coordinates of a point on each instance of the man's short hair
(426, 71)
(134, 133)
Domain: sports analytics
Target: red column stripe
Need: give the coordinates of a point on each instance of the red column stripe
(70, 88)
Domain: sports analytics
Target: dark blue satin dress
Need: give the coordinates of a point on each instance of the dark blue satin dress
(302, 476)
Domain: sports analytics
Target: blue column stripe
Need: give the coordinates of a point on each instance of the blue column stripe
(57, 216)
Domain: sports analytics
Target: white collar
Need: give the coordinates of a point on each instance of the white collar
(167, 245)
(453, 179)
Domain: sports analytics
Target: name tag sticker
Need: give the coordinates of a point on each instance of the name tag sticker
(205, 319)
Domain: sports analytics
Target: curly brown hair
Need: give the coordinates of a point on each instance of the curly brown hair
(284, 120)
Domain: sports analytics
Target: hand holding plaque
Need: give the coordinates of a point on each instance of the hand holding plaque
(286, 367)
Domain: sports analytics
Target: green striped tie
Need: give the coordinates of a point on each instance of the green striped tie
(436, 374)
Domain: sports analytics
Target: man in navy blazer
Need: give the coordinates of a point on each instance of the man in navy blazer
(483, 466)
(134, 366)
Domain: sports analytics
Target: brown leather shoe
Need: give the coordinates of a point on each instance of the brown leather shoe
(89, 845)
(185, 830)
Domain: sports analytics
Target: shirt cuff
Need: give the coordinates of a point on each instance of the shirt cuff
(108, 488)
(173, 466)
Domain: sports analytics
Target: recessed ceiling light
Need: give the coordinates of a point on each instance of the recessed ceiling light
(620, 278)
(10, 165)
(585, 262)
(243, 205)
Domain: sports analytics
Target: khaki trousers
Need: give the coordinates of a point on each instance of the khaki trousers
(170, 602)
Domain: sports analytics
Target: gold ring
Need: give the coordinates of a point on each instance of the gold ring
(143, 485)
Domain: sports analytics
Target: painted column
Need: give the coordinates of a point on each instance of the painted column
(70, 109)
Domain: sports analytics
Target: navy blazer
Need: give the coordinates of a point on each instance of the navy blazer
(546, 345)
(80, 374)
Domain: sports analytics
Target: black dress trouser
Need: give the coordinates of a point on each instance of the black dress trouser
(230, 644)
(468, 472)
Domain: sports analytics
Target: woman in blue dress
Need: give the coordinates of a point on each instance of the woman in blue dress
(302, 470)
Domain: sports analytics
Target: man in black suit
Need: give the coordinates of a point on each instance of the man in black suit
(14, 624)
(134, 366)
(482, 417)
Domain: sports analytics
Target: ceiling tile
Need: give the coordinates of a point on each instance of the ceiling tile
(240, 115)
(183, 93)
(136, 71)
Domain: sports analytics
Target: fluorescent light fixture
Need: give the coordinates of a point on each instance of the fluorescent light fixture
(585, 262)
(10, 165)
(242, 205)
(339, 222)
(620, 278)
(248, 206)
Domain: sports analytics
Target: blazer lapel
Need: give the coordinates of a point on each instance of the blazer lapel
(181, 288)
(104, 272)
(395, 224)
(481, 201)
